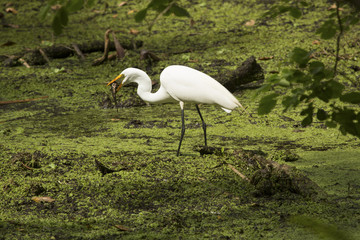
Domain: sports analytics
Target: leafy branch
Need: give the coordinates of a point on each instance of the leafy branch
(339, 36)
(308, 79)
(62, 10)
(162, 8)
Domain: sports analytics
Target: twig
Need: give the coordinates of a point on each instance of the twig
(44, 55)
(120, 51)
(339, 36)
(26, 166)
(106, 49)
(160, 14)
(238, 173)
(24, 62)
(21, 101)
(78, 51)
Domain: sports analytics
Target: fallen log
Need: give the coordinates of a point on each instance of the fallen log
(36, 56)
(248, 72)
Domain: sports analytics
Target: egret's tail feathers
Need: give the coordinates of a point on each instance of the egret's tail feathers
(226, 110)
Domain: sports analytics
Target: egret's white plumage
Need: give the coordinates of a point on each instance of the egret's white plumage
(182, 84)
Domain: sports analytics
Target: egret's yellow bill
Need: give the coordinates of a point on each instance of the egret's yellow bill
(115, 79)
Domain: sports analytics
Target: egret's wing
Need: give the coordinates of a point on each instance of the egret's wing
(189, 85)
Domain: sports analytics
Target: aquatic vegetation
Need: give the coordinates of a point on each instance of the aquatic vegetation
(49, 147)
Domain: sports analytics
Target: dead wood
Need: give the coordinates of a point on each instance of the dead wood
(22, 100)
(238, 172)
(78, 51)
(120, 51)
(23, 62)
(34, 57)
(106, 49)
(43, 54)
(105, 170)
(250, 72)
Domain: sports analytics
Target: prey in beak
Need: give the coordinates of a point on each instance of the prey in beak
(114, 80)
(115, 88)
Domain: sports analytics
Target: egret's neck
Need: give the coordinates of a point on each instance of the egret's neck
(144, 86)
(144, 91)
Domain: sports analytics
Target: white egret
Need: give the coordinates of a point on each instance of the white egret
(181, 84)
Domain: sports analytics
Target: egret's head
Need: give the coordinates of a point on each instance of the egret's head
(128, 75)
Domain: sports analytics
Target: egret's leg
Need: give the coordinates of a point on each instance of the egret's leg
(203, 123)
(182, 127)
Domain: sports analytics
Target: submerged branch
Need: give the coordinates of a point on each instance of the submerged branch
(22, 101)
(238, 173)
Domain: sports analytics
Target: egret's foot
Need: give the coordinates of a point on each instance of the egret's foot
(207, 150)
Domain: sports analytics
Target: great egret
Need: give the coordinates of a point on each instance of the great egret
(182, 84)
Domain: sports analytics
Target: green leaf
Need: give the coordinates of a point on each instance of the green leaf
(264, 88)
(274, 78)
(47, 43)
(309, 112)
(316, 67)
(317, 70)
(283, 9)
(294, 75)
(307, 121)
(272, 12)
(287, 74)
(347, 119)
(300, 56)
(74, 5)
(290, 101)
(295, 12)
(353, 19)
(328, 29)
(159, 5)
(321, 114)
(331, 124)
(64, 16)
(140, 16)
(284, 83)
(353, 97)
(328, 90)
(335, 88)
(167, 13)
(179, 11)
(44, 11)
(90, 3)
(267, 103)
(60, 20)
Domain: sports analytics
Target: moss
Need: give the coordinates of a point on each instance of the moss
(49, 147)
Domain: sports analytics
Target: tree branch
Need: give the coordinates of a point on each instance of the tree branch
(338, 37)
